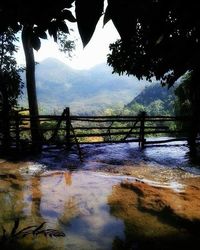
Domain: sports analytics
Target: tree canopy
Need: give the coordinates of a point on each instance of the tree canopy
(42, 16)
(10, 83)
(162, 40)
(157, 37)
(10, 80)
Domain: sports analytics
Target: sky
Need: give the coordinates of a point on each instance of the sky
(83, 58)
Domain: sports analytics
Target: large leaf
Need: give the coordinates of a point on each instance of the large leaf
(63, 27)
(53, 29)
(88, 13)
(40, 33)
(124, 16)
(66, 14)
(35, 42)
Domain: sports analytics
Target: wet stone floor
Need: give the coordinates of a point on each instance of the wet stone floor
(118, 198)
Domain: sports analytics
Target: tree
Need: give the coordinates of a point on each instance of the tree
(34, 19)
(159, 39)
(182, 92)
(183, 106)
(162, 41)
(10, 82)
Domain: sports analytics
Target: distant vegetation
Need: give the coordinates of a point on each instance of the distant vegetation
(98, 91)
(153, 99)
(84, 91)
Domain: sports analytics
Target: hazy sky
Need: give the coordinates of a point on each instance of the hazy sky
(94, 53)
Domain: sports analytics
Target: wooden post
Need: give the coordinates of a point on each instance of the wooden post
(67, 124)
(142, 126)
(17, 122)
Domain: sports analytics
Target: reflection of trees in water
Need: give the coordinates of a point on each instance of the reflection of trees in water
(54, 202)
(70, 211)
(11, 196)
(17, 192)
(156, 218)
(71, 204)
(14, 206)
(36, 194)
(21, 197)
(68, 178)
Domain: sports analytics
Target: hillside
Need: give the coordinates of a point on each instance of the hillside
(155, 100)
(83, 91)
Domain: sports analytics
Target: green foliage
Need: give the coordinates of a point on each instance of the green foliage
(135, 108)
(155, 100)
(158, 39)
(42, 17)
(65, 45)
(10, 80)
(183, 102)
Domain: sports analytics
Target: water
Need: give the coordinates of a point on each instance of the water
(119, 197)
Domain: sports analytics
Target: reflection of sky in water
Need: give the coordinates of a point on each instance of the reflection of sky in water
(78, 202)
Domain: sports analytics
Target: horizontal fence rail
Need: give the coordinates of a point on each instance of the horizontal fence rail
(69, 129)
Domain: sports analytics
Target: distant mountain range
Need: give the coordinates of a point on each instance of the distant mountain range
(84, 91)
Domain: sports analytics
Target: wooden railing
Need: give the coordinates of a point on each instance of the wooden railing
(66, 129)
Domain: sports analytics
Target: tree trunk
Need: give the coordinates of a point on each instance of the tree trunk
(195, 113)
(31, 88)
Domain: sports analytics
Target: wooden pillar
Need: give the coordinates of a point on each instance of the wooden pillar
(67, 125)
(142, 127)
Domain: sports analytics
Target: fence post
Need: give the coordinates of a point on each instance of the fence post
(142, 126)
(17, 129)
(67, 125)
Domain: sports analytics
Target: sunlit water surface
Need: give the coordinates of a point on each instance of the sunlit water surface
(119, 197)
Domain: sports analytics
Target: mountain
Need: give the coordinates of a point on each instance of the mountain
(155, 100)
(84, 91)
(152, 93)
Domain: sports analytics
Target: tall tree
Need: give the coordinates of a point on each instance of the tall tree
(35, 18)
(10, 82)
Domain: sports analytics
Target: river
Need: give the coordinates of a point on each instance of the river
(120, 197)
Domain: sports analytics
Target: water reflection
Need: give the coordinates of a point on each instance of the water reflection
(118, 198)
(75, 203)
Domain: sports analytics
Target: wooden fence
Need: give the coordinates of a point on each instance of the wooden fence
(69, 129)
